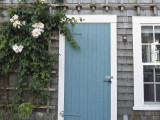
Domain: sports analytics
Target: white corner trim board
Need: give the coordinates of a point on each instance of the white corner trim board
(138, 21)
(112, 19)
(61, 76)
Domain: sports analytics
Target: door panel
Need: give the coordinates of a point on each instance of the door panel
(87, 96)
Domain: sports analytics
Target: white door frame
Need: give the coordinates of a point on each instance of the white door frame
(112, 19)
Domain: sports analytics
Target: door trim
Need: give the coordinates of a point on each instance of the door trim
(112, 19)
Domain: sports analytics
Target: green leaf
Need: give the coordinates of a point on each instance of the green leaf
(25, 109)
(34, 60)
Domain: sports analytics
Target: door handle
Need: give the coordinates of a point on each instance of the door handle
(109, 81)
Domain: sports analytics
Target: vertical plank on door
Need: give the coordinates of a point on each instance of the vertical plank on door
(87, 97)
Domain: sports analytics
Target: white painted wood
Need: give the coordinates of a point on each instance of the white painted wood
(121, 1)
(112, 19)
(95, 18)
(106, 1)
(146, 20)
(138, 70)
(148, 107)
(61, 76)
(114, 71)
(150, 63)
(79, 2)
(138, 21)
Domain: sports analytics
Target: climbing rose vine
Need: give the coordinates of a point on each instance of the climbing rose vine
(24, 42)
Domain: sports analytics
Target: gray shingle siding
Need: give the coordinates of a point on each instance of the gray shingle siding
(125, 79)
(125, 71)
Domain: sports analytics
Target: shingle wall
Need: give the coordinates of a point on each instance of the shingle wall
(124, 57)
(125, 88)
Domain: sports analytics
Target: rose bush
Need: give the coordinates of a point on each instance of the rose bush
(24, 41)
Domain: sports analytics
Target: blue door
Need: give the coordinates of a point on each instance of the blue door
(87, 96)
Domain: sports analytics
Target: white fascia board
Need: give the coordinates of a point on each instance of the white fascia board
(95, 18)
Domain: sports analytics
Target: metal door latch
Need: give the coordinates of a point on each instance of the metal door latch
(62, 113)
(108, 79)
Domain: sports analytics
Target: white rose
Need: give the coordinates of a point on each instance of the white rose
(15, 17)
(17, 23)
(20, 48)
(38, 25)
(23, 23)
(17, 49)
(35, 25)
(14, 24)
(41, 25)
(42, 1)
(41, 30)
(11, 20)
(36, 32)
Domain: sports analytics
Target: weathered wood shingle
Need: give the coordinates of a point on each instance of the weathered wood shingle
(125, 71)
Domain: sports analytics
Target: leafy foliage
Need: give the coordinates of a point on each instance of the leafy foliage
(35, 59)
(8, 114)
(25, 109)
(1, 12)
